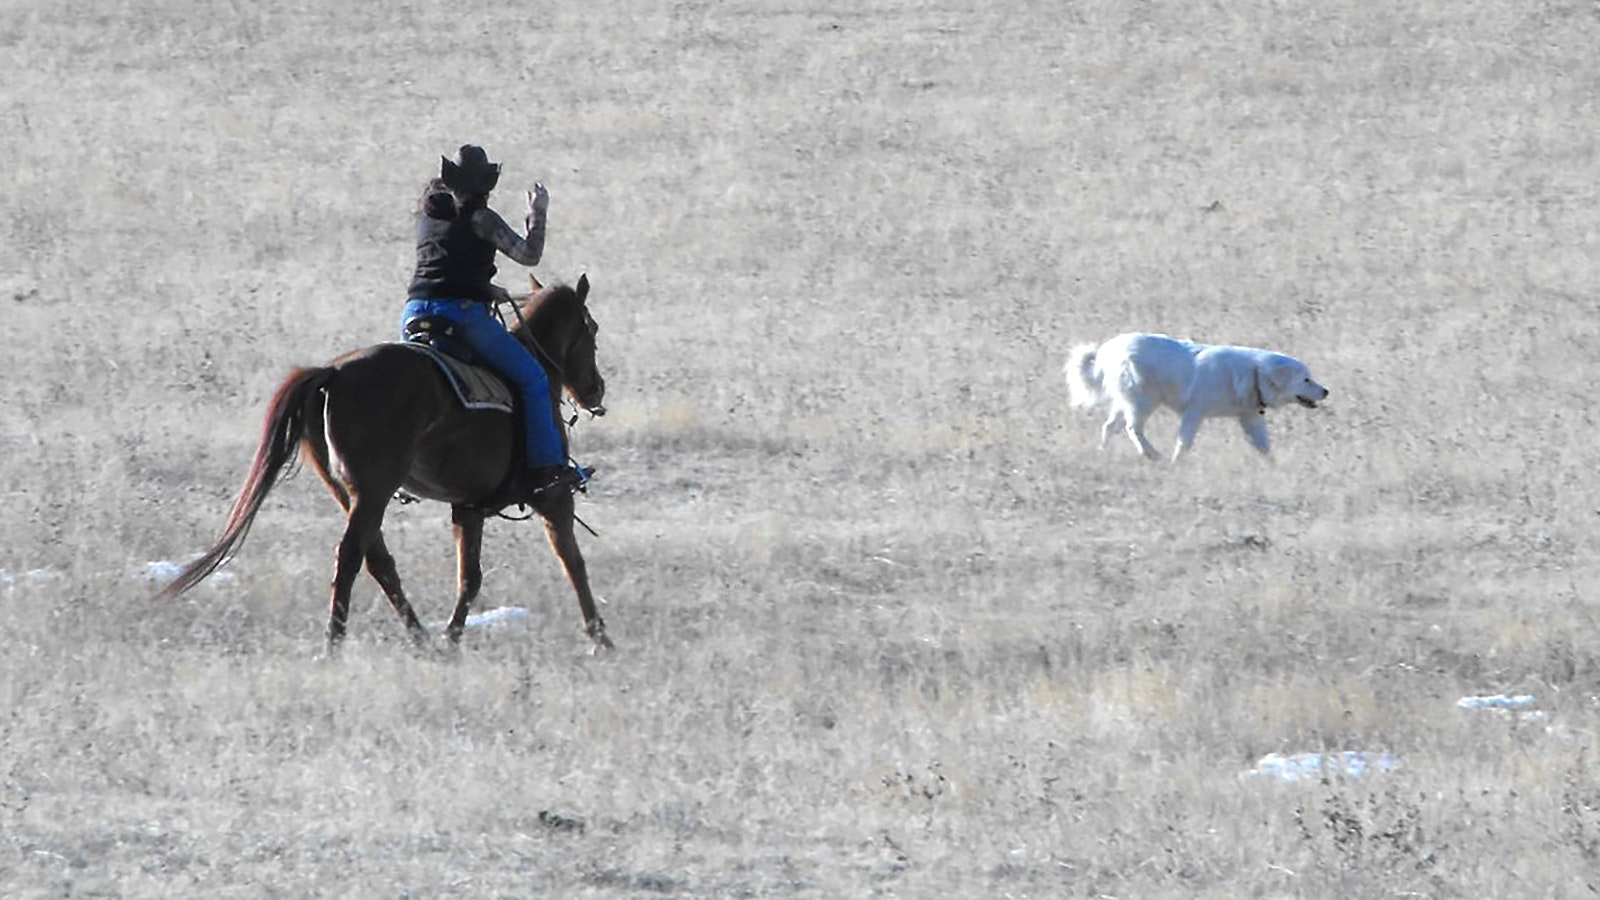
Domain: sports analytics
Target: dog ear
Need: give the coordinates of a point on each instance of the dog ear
(1245, 381)
(1274, 374)
(1281, 375)
(1270, 381)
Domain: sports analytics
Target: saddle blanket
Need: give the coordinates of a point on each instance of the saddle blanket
(475, 386)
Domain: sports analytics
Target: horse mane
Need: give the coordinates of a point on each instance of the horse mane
(547, 299)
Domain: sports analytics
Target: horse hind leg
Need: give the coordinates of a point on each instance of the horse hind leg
(314, 449)
(380, 565)
(379, 561)
(363, 534)
(362, 543)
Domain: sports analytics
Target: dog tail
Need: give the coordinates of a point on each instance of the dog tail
(1085, 381)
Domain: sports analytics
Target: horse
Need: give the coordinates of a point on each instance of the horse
(382, 419)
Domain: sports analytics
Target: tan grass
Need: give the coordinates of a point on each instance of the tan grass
(888, 624)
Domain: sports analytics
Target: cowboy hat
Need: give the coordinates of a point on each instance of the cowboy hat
(470, 172)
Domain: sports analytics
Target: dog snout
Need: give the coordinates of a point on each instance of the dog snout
(1312, 397)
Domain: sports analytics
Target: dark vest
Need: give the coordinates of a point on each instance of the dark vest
(453, 263)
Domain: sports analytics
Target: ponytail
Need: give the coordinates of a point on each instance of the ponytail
(438, 202)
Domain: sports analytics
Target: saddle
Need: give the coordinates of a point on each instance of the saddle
(476, 386)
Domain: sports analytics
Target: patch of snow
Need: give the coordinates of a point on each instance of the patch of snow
(162, 571)
(1498, 701)
(504, 618)
(1504, 705)
(505, 615)
(32, 576)
(1312, 766)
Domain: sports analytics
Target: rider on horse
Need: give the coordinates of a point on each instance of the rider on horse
(457, 238)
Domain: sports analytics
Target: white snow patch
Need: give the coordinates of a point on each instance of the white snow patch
(1504, 705)
(1312, 766)
(505, 618)
(32, 576)
(1498, 701)
(163, 571)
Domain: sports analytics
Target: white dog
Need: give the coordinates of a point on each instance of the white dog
(1138, 372)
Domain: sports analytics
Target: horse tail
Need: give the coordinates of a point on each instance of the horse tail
(1085, 381)
(281, 432)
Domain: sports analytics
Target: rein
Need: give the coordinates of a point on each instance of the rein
(500, 513)
(522, 326)
(544, 357)
(548, 360)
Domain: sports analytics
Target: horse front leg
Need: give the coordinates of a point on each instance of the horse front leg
(468, 527)
(558, 527)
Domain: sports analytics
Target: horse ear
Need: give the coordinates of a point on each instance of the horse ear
(537, 287)
(583, 286)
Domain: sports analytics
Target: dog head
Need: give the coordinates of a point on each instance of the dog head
(1285, 380)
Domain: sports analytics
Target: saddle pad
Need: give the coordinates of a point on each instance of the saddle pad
(475, 386)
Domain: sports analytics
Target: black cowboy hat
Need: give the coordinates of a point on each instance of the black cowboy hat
(470, 172)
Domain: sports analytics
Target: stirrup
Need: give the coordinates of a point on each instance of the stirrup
(568, 478)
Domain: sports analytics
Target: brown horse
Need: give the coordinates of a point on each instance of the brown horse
(383, 418)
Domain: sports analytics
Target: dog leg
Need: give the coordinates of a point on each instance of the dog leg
(1112, 426)
(1136, 434)
(1255, 428)
(1187, 429)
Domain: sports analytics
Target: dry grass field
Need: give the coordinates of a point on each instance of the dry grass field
(888, 624)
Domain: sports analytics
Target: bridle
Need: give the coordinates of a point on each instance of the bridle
(544, 355)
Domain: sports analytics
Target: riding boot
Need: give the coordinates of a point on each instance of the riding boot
(542, 481)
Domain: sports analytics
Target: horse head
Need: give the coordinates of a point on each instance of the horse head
(559, 330)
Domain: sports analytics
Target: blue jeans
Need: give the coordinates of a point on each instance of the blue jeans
(506, 355)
